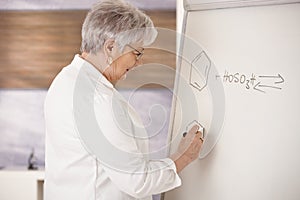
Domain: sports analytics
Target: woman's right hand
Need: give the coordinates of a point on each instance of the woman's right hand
(188, 149)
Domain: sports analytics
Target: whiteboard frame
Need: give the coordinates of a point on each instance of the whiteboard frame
(219, 4)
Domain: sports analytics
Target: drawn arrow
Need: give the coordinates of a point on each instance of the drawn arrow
(256, 88)
(258, 85)
(278, 76)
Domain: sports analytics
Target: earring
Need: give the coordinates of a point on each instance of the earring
(109, 60)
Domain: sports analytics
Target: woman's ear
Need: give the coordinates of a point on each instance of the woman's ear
(108, 47)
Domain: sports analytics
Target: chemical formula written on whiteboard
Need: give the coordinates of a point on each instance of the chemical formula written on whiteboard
(260, 83)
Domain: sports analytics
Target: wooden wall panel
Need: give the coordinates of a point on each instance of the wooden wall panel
(35, 45)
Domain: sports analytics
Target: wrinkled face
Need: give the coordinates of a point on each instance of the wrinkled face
(130, 58)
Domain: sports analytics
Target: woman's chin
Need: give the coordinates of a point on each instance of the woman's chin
(123, 77)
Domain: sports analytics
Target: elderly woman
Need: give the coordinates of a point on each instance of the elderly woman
(113, 36)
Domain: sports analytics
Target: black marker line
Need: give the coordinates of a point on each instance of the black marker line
(257, 88)
(268, 76)
(270, 86)
(197, 85)
(198, 88)
(278, 76)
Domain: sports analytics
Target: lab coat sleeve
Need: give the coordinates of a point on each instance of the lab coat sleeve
(140, 185)
(141, 177)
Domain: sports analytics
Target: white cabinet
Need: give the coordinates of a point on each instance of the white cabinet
(18, 185)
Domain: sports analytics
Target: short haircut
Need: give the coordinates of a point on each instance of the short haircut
(118, 20)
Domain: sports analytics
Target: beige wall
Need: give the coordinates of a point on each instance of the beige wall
(35, 45)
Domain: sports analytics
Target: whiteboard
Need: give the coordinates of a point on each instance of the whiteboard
(238, 76)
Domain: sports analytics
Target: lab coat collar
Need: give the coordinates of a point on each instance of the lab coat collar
(78, 62)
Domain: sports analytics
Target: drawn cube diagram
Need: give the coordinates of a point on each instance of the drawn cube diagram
(199, 71)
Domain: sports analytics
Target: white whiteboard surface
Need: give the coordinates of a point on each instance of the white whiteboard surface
(256, 53)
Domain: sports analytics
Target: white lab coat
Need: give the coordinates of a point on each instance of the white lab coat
(72, 171)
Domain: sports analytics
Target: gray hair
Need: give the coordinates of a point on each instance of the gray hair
(118, 20)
